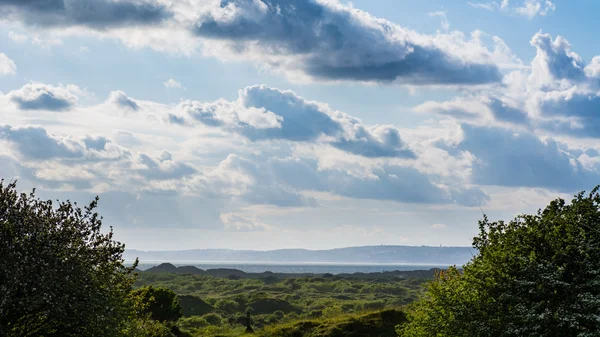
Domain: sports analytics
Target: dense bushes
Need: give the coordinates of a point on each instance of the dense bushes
(538, 275)
(379, 323)
(59, 274)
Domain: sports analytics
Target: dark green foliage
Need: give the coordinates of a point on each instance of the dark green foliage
(270, 305)
(305, 296)
(538, 275)
(375, 324)
(59, 274)
(320, 300)
(194, 306)
(161, 303)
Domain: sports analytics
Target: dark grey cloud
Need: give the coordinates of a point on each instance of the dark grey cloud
(121, 100)
(366, 144)
(264, 113)
(37, 96)
(334, 42)
(95, 143)
(508, 158)
(474, 108)
(163, 167)
(265, 188)
(36, 143)
(505, 113)
(96, 14)
(393, 183)
(582, 110)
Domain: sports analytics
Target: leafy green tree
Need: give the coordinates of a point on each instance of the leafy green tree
(538, 275)
(59, 274)
(161, 303)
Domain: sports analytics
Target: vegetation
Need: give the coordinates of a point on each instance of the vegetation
(57, 270)
(538, 275)
(60, 275)
(218, 305)
(160, 303)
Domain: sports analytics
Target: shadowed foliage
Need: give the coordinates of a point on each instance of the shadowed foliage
(59, 274)
(537, 275)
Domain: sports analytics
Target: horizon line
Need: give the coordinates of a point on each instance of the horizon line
(306, 249)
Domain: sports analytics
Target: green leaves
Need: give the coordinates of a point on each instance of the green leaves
(59, 274)
(161, 303)
(537, 275)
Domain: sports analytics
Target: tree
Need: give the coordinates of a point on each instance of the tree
(161, 303)
(537, 275)
(59, 274)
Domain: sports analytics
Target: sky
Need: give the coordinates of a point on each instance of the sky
(268, 124)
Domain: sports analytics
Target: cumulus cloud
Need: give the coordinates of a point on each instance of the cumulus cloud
(305, 40)
(236, 222)
(559, 94)
(163, 167)
(35, 142)
(528, 8)
(532, 8)
(121, 100)
(281, 181)
(98, 158)
(172, 84)
(39, 96)
(265, 113)
(485, 109)
(505, 157)
(96, 14)
(328, 40)
(7, 66)
(554, 60)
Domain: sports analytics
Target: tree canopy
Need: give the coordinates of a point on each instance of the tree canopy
(161, 303)
(60, 275)
(537, 275)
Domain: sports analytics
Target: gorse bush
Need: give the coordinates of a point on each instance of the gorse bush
(538, 275)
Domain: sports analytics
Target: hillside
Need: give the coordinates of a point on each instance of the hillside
(238, 274)
(366, 254)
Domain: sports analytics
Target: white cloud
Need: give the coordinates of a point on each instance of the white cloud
(18, 37)
(438, 226)
(528, 8)
(236, 222)
(330, 42)
(264, 113)
(7, 66)
(172, 84)
(443, 19)
(39, 96)
(532, 8)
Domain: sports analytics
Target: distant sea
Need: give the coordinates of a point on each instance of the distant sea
(300, 268)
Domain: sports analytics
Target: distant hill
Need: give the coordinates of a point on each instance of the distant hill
(365, 254)
(268, 276)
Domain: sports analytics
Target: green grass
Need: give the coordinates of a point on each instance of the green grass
(378, 323)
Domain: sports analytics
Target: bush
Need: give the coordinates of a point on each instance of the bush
(212, 319)
(162, 304)
(60, 275)
(534, 276)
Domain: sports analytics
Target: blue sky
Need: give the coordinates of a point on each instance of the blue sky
(281, 123)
